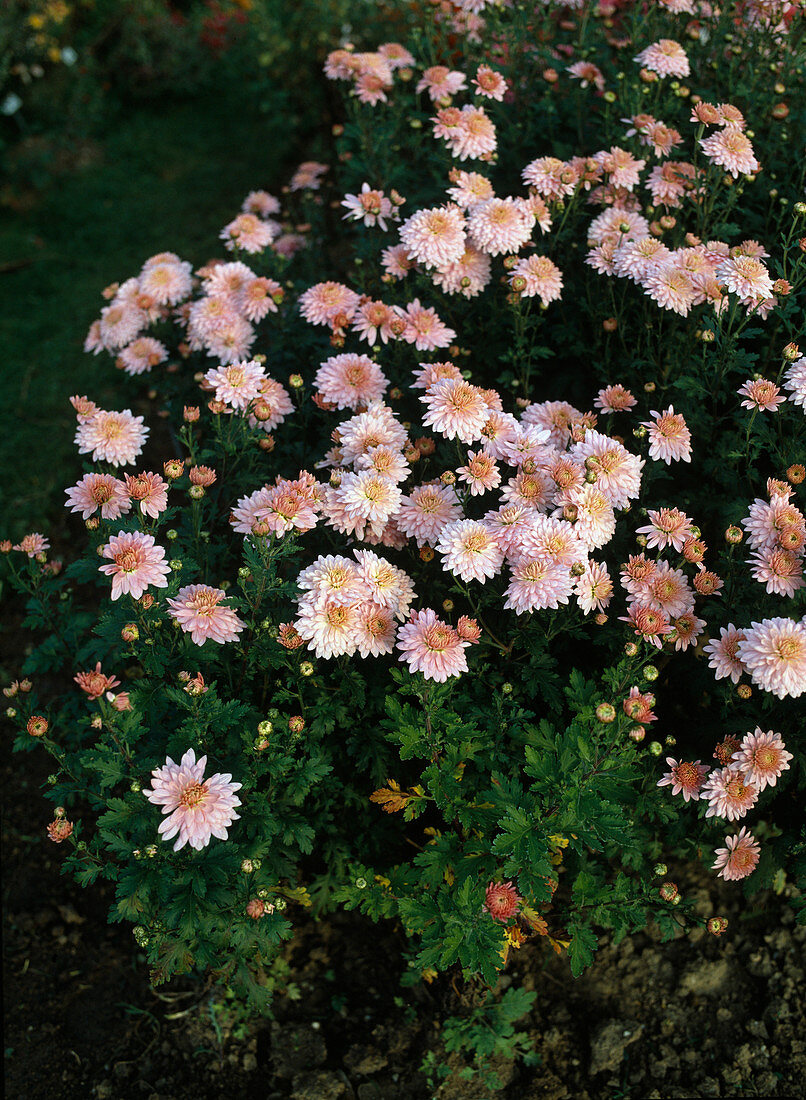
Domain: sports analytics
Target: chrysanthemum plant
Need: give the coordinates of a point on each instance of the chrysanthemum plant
(455, 516)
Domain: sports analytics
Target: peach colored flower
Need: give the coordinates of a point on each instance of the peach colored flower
(739, 858)
(136, 564)
(200, 612)
(198, 809)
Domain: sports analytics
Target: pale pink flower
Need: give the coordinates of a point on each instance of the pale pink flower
(746, 277)
(396, 56)
(665, 57)
(468, 276)
(551, 178)
(548, 538)
(669, 437)
(761, 395)
(739, 858)
(731, 150)
(426, 511)
(670, 182)
(374, 630)
(594, 588)
(455, 409)
(370, 206)
(647, 623)
(723, 653)
(470, 550)
(308, 176)
(469, 132)
(616, 222)
(141, 355)
(272, 405)
(762, 757)
(774, 524)
(424, 329)
(434, 237)
(666, 527)
(136, 563)
(668, 591)
(730, 794)
(114, 437)
(168, 282)
(370, 498)
(684, 778)
(120, 323)
(373, 320)
(200, 612)
(489, 83)
(199, 809)
(249, 233)
(330, 577)
(687, 629)
(637, 259)
(385, 461)
(350, 381)
(261, 202)
(396, 261)
(259, 297)
(537, 276)
(384, 584)
(774, 653)
(428, 373)
(84, 408)
(32, 544)
(672, 289)
(374, 428)
(555, 417)
(481, 472)
(588, 74)
(441, 82)
(238, 384)
(618, 472)
(613, 399)
(98, 491)
(780, 570)
(622, 168)
(149, 491)
(535, 490)
(795, 382)
(596, 522)
(96, 683)
(499, 226)
(538, 583)
(248, 509)
(324, 301)
(431, 647)
(469, 188)
(289, 506)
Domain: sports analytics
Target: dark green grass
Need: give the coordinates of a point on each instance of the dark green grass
(165, 177)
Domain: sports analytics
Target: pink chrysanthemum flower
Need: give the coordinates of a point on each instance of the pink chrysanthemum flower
(489, 83)
(668, 591)
(431, 647)
(481, 472)
(550, 539)
(370, 498)
(373, 322)
(385, 461)
(441, 82)
(618, 472)
(136, 563)
(84, 408)
(435, 237)
(774, 653)
(746, 277)
(120, 323)
(167, 283)
(669, 437)
(324, 301)
(619, 224)
(114, 437)
(588, 74)
(200, 612)
(594, 588)
(425, 512)
(261, 202)
(556, 417)
(538, 583)
(595, 522)
(795, 382)
(428, 373)
(723, 653)
(374, 428)
(98, 491)
(615, 399)
(198, 808)
(469, 188)
(686, 630)
(730, 794)
(308, 176)
(350, 381)
(95, 683)
(32, 544)
(672, 289)
(470, 550)
(762, 757)
(622, 168)
(537, 276)
(141, 355)
(288, 506)
(638, 259)
(684, 778)
(761, 395)
(469, 132)
(468, 276)
(456, 409)
(424, 329)
(647, 623)
(665, 57)
(249, 233)
(149, 491)
(271, 406)
(238, 384)
(260, 297)
(502, 901)
(396, 261)
(739, 858)
(384, 583)
(666, 527)
(551, 178)
(375, 630)
(731, 150)
(780, 570)
(500, 225)
(370, 206)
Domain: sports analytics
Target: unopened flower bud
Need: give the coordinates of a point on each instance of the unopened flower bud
(655, 748)
(306, 668)
(717, 925)
(733, 535)
(660, 869)
(650, 673)
(295, 381)
(135, 786)
(606, 712)
(151, 851)
(796, 473)
(296, 723)
(196, 492)
(426, 554)
(11, 712)
(610, 324)
(174, 468)
(176, 564)
(171, 534)
(790, 353)
(247, 866)
(631, 649)
(361, 884)
(744, 691)
(130, 632)
(668, 891)
(506, 688)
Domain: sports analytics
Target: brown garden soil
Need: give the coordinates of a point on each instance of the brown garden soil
(695, 1017)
